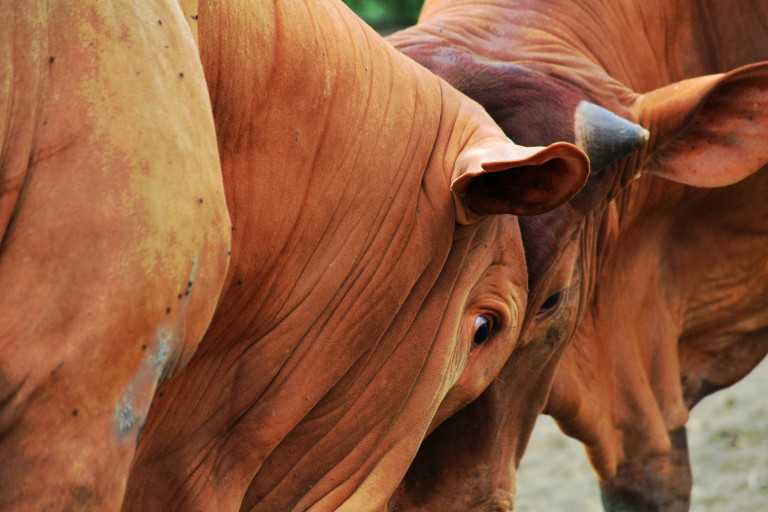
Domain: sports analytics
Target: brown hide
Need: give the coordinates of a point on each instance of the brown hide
(366, 244)
(113, 237)
(530, 64)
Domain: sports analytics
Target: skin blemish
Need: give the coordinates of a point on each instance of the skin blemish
(194, 17)
(199, 200)
(143, 348)
(181, 75)
(75, 412)
(168, 310)
(51, 59)
(553, 335)
(159, 22)
(125, 418)
(164, 340)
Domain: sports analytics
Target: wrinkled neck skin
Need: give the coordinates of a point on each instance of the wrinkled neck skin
(604, 47)
(335, 338)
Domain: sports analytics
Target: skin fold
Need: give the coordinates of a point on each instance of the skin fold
(372, 226)
(660, 323)
(113, 238)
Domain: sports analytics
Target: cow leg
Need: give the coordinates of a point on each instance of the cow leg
(659, 484)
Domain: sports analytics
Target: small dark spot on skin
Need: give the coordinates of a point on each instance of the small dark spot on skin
(233, 228)
(239, 282)
(75, 412)
(168, 310)
(552, 336)
(181, 75)
(179, 296)
(82, 495)
(161, 393)
(194, 17)
(199, 200)
(143, 347)
(165, 46)
(229, 253)
(138, 73)
(51, 59)
(159, 22)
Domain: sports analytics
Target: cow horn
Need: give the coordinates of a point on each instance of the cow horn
(604, 136)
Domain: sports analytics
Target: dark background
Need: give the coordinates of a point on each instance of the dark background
(387, 15)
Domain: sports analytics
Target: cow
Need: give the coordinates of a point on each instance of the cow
(539, 68)
(377, 280)
(114, 235)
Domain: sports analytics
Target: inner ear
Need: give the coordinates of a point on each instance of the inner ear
(523, 190)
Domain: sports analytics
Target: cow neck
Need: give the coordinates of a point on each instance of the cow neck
(541, 38)
(639, 45)
(293, 109)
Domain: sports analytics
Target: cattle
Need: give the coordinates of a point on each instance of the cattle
(377, 280)
(620, 388)
(114, 235)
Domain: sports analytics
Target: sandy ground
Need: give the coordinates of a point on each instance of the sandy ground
(728, 439)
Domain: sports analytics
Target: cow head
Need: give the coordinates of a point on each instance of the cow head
(468, 463)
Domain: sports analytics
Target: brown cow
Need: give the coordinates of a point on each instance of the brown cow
(376, 284)
(531, 65)
(113, 237)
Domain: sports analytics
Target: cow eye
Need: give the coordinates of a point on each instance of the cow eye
(551, 302)
(483, 329)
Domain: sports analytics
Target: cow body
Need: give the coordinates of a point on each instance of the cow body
(113, 238)
(366, 245)
(531, 64)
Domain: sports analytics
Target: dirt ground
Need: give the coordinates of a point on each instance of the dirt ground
(728, 439)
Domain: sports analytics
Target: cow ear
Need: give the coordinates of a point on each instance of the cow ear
(499, 177)
(709, 131)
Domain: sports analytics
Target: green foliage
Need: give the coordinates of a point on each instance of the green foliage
(387, 13)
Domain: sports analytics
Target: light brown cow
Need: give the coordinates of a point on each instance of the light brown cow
(531, 65)
(113, 237)
(377, 282)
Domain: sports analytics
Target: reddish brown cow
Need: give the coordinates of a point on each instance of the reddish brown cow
(377, 282)
(530, 64)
